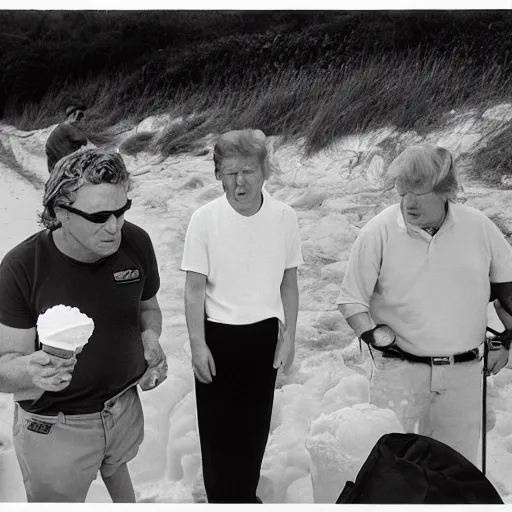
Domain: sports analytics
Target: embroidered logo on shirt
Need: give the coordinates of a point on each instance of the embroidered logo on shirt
(39, 427)
(131, 275)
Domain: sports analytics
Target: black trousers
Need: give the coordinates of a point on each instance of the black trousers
(234, 411)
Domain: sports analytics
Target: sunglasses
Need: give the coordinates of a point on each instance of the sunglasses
(98, 217)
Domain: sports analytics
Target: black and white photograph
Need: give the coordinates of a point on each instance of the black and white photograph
(256, 255)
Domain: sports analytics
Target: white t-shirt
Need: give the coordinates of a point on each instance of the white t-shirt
(432, 291)
(244, 258)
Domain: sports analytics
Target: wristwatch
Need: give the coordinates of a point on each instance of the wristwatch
(499, 339)
(380, 336)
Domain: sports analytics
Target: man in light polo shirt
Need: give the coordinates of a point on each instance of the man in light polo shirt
(418, 279)
(241, 255)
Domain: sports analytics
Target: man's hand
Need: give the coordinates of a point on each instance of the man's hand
(496, 360)
(50, 373)
(285, 350)
(156, 372)
(203, 363)
(153, 352)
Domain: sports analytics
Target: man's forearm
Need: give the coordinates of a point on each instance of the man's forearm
(503, 292)
(14, 375)
(151, 320)
(360, 322)
(194, 313)
(290, 298)
(505, 318)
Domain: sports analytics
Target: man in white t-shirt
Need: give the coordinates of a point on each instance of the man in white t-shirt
(418, 281)
(241, 256)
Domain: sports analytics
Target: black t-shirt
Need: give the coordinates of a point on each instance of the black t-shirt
(35, 276)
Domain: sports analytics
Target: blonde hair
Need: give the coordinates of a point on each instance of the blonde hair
(423, 165)
(92, 166)
(242, 143)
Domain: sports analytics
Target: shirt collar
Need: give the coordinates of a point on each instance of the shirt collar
(450, 219)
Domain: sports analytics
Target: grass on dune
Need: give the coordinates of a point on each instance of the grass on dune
(108, 106)
(184, 136)
(409, 92)
(137, 143)
(492, 160)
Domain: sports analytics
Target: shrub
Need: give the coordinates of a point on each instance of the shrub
(137, 143)
(182, 137)
(492, 161)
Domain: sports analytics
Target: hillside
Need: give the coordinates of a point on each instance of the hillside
(317, 75)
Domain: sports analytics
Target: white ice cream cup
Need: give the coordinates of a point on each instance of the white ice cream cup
(50, 347)
(63, 331)
(66, 342)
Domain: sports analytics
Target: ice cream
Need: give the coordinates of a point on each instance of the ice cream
(64, 330)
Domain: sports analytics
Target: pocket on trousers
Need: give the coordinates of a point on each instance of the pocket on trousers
(140, 414)
(380, 362)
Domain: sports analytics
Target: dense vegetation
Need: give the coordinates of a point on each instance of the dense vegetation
(313, 74)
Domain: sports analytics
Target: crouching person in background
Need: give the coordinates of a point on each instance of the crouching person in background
(416, 290)
(241, 255)
(67, 137)
(77, 416)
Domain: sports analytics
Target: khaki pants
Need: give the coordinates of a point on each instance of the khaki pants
(443, 402)
(60, 456)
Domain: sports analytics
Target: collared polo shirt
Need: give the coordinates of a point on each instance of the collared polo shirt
(433, 291)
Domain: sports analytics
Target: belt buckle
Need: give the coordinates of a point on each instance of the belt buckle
(439, 361)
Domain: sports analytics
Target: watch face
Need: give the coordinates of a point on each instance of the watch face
(495, 344)
(383, 337)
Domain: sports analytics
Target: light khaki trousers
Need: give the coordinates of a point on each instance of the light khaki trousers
(443, 402)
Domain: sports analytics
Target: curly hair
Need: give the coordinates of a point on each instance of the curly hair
(90, 166)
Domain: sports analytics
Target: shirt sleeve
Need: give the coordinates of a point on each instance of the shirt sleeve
(152, 284)
(501, 255)
(195, 250)
(15, 310)
(362, 273)
(294, 256)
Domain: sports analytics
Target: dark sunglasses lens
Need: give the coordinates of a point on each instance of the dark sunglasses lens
(102, 217)
(98, 218)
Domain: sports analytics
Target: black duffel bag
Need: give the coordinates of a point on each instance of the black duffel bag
(415, 469)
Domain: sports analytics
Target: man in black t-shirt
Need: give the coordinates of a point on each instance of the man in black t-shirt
(77, 416)
(67, 137)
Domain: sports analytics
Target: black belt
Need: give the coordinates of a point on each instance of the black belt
(440, 360)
